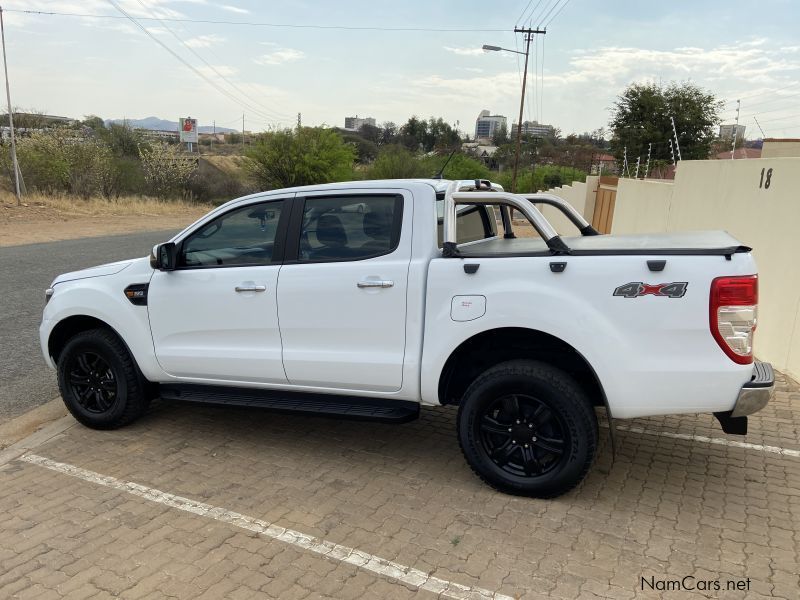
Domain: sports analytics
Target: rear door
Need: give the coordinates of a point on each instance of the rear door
(342, 290)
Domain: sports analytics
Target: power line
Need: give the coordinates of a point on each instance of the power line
(175, 54)
(534, 17)
(533, 11)
(753, 94)
(547, 14)
(262, 24)
(519, 18)
(256, 107)
(558, 12)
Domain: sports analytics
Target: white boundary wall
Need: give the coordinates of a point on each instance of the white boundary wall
(732, 195)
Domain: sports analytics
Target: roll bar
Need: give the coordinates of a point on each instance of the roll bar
(567, 209)
(482, 192)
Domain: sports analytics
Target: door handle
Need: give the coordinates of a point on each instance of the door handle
(251, 288)
(375, 283)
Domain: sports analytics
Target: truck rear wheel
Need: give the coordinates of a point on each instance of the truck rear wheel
(99, 381)
(527, 428)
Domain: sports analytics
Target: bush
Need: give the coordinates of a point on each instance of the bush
(460, 166)
(63, 160)
(396, 162)
(211, 184)
(304, 156)
(167, 170)
(540, 178)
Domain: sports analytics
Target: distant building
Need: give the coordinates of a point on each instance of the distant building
(533, 128)
(726, 132)
(485, 153)
(356, 123)
(486, 125)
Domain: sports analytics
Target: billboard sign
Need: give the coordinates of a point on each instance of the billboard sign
(188, 130)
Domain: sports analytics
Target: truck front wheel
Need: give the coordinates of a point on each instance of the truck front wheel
(527, 428)
(99, 381)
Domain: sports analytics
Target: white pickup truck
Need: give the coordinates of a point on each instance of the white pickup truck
(369, 299)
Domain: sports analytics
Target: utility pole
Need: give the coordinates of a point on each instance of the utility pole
(242, 133)
(14, 163)
(735, 129)
(213, 135)
(529, 33)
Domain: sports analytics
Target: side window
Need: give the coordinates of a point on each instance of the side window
(245, 236)
(336, 228)
(473, 223)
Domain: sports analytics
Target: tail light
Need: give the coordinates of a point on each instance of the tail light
(733, 311)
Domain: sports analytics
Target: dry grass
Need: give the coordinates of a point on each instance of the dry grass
(94, 207)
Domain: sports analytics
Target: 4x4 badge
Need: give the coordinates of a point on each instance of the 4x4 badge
(676, 289)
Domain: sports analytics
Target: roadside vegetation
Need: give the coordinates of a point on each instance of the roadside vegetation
(115, 163)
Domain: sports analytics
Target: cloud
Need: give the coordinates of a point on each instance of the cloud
(279, 56)
(464, 51)
(235, 9)
(224, 70)
(204, 41)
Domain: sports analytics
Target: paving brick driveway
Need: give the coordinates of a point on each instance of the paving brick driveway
(673, 504)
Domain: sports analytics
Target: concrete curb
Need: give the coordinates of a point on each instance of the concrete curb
(36, 439)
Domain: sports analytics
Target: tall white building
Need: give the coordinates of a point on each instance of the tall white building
(486, 125)
(356, 123)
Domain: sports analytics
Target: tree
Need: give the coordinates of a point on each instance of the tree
(302, 156)
(500, 136)
(388, 133)
(641, 116)
(371, 133)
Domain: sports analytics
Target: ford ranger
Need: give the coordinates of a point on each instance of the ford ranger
(369, 299)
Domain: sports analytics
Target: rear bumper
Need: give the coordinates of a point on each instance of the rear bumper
(756, 393)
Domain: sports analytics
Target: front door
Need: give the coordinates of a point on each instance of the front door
(215, 317)
(342, 290)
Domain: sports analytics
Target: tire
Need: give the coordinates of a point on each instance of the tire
(553, 429)
(99, 381)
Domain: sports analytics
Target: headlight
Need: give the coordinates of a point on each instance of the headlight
(48, 293)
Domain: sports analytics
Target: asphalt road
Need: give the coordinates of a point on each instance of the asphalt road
(25, 272)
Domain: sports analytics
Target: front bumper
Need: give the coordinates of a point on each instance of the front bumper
(756, 393)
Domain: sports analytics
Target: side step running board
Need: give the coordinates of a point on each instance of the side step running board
(349, 407)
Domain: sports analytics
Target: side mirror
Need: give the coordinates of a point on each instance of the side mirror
(164, 256)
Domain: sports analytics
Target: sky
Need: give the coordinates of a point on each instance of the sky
(369, 58)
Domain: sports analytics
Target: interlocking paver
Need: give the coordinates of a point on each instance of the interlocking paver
(665, 508)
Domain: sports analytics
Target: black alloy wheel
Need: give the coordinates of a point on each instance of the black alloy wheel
(522, 435)
(92, 382)
(100, 383)
(527, 428)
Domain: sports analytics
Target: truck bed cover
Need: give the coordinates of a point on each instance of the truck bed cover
(704, 243)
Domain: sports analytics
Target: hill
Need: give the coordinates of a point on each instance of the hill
(154, 123)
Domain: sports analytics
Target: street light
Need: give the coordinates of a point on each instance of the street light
(528, 37)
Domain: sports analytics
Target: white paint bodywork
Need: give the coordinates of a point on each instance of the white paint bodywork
(315, 330)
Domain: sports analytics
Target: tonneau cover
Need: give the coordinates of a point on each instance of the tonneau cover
(685, 242)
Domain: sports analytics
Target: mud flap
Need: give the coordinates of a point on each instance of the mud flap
(732, 425)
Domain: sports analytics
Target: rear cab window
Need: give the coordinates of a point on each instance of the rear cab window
(473, 223)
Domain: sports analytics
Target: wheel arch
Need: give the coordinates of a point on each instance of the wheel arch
(494, 346)
(70, 326)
